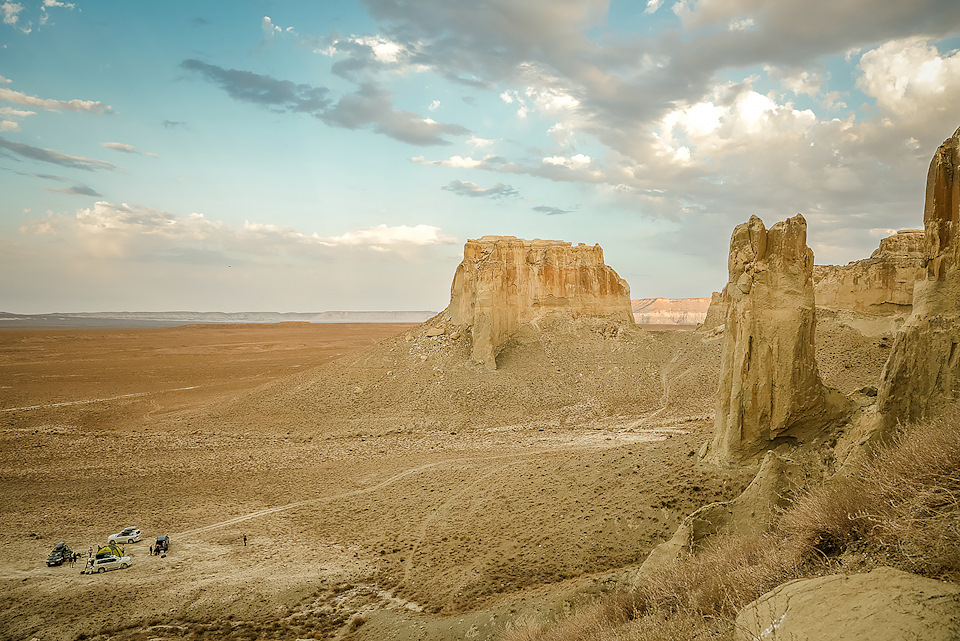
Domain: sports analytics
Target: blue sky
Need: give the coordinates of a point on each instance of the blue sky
(334, 155)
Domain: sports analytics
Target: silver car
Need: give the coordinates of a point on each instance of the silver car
(126, 535)
(107, 562)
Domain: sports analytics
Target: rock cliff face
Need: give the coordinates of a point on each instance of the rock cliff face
(505, 282)
(881, 284)
(924, 366)
(670, 311)
(770, 391)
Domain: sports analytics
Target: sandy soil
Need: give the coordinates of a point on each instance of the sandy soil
(387, 489)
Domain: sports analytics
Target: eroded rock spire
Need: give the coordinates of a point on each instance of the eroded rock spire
(770, 390)
(923, 370)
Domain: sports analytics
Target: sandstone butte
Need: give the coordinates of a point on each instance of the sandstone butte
(505, 282)
(924, 366)
(880, 284)
(770, 390)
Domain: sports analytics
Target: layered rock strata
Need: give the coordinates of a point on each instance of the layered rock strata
(923, 370)
(670, 311)
(881, 284)
(504, 283)
(770, 390)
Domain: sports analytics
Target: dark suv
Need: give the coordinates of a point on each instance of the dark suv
(60, 554)
(162, 544)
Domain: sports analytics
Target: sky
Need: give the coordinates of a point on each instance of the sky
(320, 155)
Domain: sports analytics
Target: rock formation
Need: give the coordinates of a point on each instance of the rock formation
(770, 390)
(881, 284)
(670, 311)
(504, 283)
(924, 367)
(882, 605)
(716, 313)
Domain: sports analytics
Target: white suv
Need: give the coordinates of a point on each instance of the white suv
(109, 562)
(127, 535)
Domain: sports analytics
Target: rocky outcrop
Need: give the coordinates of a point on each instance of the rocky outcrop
(882, 605)
(670, 311)
(504, 283)
(716, 312)
(770, 390)
(881, 284)
(923, 370)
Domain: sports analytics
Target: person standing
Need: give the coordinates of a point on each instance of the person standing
(244, 540)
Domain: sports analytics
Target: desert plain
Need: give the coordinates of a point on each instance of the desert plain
(386, 489)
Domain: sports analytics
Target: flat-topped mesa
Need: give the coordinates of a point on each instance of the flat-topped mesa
(881, 284)
(505, 282)
(923, 370)
(770, 390)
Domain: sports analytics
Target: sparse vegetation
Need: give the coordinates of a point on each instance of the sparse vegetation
(900, 508)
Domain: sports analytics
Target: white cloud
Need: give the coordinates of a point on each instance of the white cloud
(458, 162)
(398, 235)
(908, 76)
(119, 146)
(434, 105)
(92, 106)
(742, 25)
(10, 112)
(653, 6)
(575, 161)
(11, 12)
(9, 125)
(110, 230)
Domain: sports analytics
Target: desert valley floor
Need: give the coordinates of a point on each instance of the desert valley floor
(381, 494)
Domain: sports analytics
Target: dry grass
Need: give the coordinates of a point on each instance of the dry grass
(900, 508)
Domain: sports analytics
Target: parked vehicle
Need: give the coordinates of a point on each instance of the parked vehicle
(105, 563)
(60, 554)
(162, 544)
(126, 535)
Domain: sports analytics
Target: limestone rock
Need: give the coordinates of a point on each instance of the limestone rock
(923, 370)
(716, 312)
(882, 605)
(881, 284)
(770, 390)
(504, 283)
(669, 311)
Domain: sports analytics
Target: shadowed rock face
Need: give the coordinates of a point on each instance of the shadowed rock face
(770, 391)
(505, 282)
(924, 367)
(880, 284)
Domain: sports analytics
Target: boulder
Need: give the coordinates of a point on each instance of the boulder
(881, 284)
(882, 605)
(770, 391)
(923, 370)
(505, 283)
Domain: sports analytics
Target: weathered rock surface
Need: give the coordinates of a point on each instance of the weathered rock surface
(881, 284)
(505, 283)
(882, 605)
(924, 367)
(670, 311)
(770, 391)
(716, 312)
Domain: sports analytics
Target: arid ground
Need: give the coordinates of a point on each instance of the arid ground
(386, 490)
